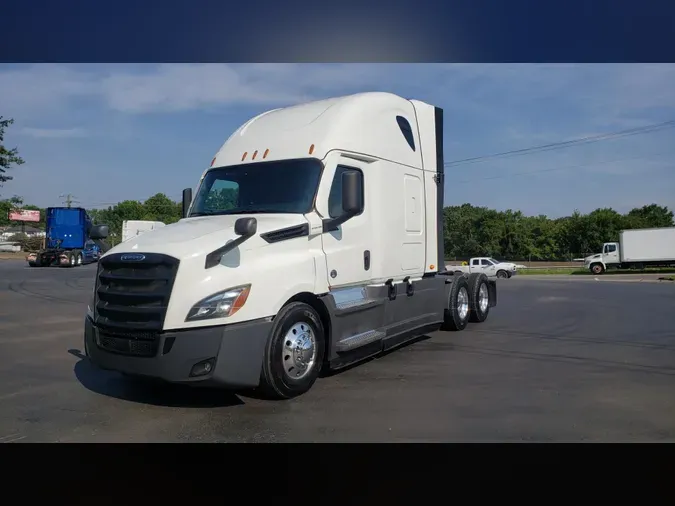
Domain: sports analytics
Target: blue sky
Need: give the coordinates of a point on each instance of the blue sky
(109, 132)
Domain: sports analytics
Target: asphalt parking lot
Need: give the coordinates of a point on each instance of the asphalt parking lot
(558, 360)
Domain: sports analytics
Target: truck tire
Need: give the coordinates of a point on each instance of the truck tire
(294, 352)
(72, 260)
(457, 312)
(78, 258)
(480, 297)
(502, 274)
(597, 268)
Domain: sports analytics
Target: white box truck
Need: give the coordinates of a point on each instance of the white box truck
(314, 240)
(636, 249)
(132, 228)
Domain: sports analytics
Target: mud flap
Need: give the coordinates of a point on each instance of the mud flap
(492, 291)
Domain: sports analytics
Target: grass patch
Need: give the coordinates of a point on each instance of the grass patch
(552, 271)
(8, 255)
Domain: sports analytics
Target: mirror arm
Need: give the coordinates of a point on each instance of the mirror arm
(332, 224)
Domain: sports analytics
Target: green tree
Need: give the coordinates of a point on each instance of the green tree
(159, 207)
(6, 206)
(651, 216)
(8, 157)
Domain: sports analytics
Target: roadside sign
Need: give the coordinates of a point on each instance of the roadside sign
(24, 215)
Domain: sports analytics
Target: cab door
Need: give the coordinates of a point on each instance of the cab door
(488, 267)
(347, 249)
(611, 253)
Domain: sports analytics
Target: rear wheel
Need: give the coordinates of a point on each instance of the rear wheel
(72, 259)
(78, 259)
(480, 297)
(457, 312)
(294, 352)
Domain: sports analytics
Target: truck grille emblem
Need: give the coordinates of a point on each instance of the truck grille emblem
(132, 258)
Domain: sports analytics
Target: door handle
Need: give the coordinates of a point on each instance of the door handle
(366, 260)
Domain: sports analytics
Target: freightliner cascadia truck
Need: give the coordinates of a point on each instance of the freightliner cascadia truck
(71, 239)
(314, 241)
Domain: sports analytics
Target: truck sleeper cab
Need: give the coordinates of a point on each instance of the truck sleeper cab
(314, 241)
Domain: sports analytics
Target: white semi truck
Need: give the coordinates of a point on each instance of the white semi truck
(636, 249)
(315, 240)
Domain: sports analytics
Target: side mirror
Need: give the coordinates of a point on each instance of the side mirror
(352, 200)
(246, 227)
(352, 192)
(99, 231)
(187, 200)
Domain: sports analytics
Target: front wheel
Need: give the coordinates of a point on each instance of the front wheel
(294, 352)
(502, 274)
(597, 269)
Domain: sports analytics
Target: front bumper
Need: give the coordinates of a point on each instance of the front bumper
(236, 352)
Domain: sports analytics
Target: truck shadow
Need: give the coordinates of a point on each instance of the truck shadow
(156, 393)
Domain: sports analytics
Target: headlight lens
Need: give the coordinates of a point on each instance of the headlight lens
(220, 304)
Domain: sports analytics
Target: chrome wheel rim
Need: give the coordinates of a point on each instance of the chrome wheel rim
(298, 353)
(462, 303)
(483, 297)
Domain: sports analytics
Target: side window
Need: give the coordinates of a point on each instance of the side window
(611, 248)
(484, 262)
(475, 262)
(406, 130)
(335, 196)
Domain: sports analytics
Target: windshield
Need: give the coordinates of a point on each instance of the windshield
(286, 186)
(494, 261)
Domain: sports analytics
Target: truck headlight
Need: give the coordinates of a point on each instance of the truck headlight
(220, 304)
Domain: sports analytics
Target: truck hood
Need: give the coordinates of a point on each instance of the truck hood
(191, 237)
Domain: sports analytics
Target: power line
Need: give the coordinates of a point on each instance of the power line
(566, 167)
(566, 144)
(68, 199)
(518, 152)
(92, 205)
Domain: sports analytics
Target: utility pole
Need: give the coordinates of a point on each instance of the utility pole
(69, 199)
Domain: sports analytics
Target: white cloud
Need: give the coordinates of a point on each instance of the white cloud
(608, 91)
(53, 133)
